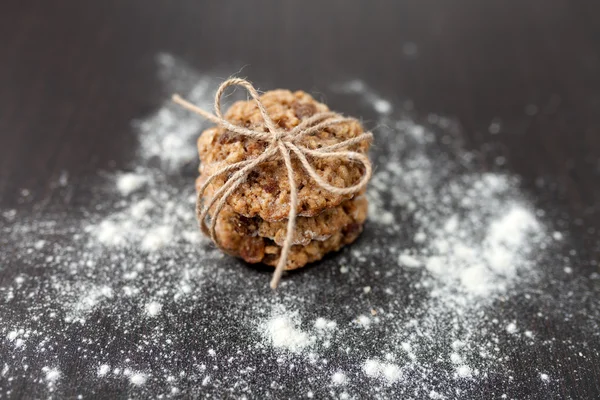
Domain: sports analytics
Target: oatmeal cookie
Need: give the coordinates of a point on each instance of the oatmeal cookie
(320, 227)
(266, 192)
(235, 238)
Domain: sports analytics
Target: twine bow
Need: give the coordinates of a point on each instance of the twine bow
(281, 144)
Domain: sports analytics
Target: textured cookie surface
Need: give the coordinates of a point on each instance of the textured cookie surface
(319, 227)
(234, 237)
(266, 191)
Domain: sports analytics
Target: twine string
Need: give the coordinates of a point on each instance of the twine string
(281, 145)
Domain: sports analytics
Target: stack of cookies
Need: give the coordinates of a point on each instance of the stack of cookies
(253, 223)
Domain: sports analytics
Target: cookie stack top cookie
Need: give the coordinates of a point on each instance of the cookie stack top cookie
(266, 191)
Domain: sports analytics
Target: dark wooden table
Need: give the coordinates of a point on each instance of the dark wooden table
(74, 74)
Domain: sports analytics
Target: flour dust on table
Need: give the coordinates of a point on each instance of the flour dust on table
(454, 272)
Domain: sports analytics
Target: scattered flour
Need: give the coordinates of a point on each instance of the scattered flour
(138, 378)
(382, 106)
(363, 321)
(153, 308)
(284, 333)
(435, 395)
(389, 372)
(52, 374)
(87, 299)
(379, 104)
(167, 135)
(511, 328)
(130, 182)
(455, 358)
(103, 370)
(464, 371)
(339, 378)
(461, 261)
(325, 324)
(409, 261)
(157, 238)
(408, 311)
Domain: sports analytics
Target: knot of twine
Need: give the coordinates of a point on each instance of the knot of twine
(282, 144)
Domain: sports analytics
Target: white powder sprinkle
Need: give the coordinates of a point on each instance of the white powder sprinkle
(557, 236)
(371, 368)
(363, 321)
(391, 372)
(325, 324)
(511, 328)
(339, 378)
(435, 395)
(153, 308)
(140, 209)
(388, 371)
(284, 333)
(409, 261)
(138, 378)
(109, 233)
(382, 106)
(167, 134)
(379, 104)
(103, 370)
(420, 237)
(464, 371)
(88, 297)
(483, 268)
(455, 358)
(52, 374)
(457, 345)
(130, 182)
(157, 238)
